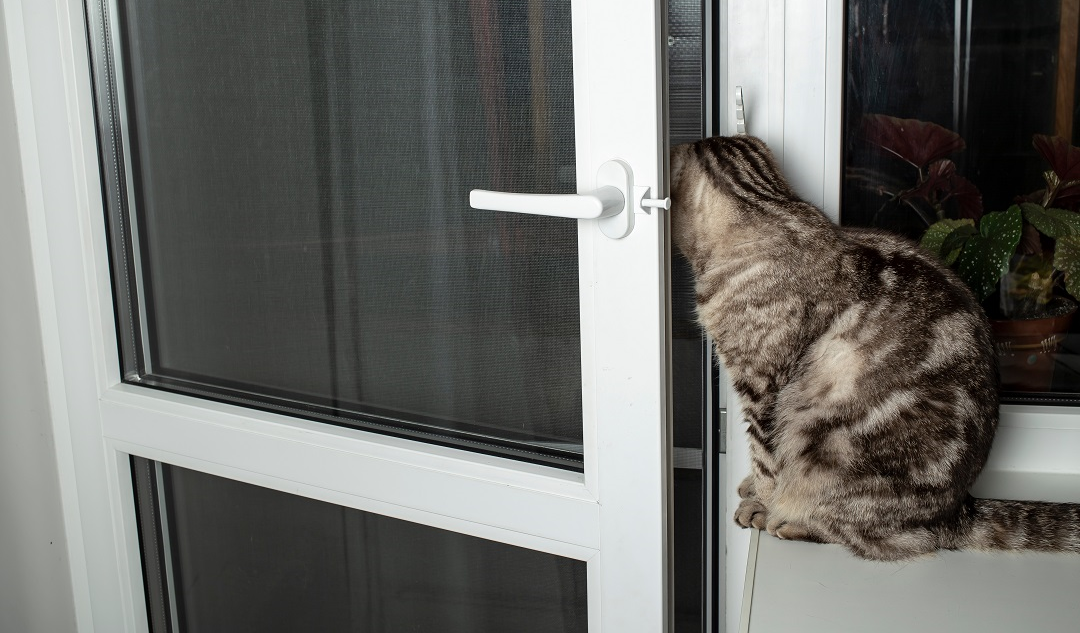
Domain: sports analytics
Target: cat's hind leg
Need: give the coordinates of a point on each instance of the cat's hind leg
(898, 546)
(794, 532)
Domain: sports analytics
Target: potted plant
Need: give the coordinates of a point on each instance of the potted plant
(1027, 256)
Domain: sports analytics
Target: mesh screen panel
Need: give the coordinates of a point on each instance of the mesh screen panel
(301, 175)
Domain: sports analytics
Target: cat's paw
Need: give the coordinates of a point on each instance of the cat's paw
(790, 532)
(751, 513)
(746, 488)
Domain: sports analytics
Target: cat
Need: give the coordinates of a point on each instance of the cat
(863, 365)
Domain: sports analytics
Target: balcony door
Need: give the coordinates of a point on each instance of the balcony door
(300, 382)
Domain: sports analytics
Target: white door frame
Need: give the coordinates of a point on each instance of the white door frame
(788, 58)
(616, 515)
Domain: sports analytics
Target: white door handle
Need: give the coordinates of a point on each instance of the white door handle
(602, 203)
(610, 203)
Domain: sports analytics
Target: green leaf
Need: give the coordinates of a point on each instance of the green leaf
(945, 238)
(1000, 224)
(985, 257)
(956, 241)
(1053, 223)
(1067, 260)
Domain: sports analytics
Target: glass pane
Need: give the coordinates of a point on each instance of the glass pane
(686, 120)
(300, 174)
(953, 112)
(690, 354)
(245, 558)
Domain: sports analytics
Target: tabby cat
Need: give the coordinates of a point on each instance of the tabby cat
(864, 367)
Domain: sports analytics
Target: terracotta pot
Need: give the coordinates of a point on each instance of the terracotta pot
(1026, 348)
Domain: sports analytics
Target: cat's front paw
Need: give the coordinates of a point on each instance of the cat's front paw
(751, 513)
(747, 488)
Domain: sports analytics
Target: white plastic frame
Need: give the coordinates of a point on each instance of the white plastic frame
(615, 515)
(788, 58)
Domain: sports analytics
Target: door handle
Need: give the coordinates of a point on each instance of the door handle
(602, 203)
(613, 202)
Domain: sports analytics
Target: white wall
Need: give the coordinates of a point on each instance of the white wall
(35, 585)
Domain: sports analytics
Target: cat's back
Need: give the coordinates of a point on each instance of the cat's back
(886, 268)
(910, 346)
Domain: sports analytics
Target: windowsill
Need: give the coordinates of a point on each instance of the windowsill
(1030, 486)
(1036, 456)
(822, 588)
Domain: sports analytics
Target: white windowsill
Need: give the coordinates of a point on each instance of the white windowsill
(822, 588)
(1036, 455)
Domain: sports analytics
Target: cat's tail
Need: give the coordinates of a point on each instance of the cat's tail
(997, 525)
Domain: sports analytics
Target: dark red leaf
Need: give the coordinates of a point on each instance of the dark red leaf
(937, 180)
(1068, 198)
(969, 202)
(1062, 157)
(917, 142)
(941, 183)
(941, 170)
(1034, 196)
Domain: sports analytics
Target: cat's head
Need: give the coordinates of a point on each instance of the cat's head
(708, 182)
(726, 161)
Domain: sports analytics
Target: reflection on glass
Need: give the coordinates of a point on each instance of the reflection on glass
(959, 132)
(245, 558)
(689, 350)
(301, 178)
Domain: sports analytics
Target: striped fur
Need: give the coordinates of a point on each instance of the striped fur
(864, 367)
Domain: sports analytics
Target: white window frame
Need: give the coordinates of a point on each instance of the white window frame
(788, 58)
(98, 421)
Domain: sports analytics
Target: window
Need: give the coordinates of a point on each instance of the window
(958, 131)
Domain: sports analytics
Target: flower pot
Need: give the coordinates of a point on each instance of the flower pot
(1026, 347)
